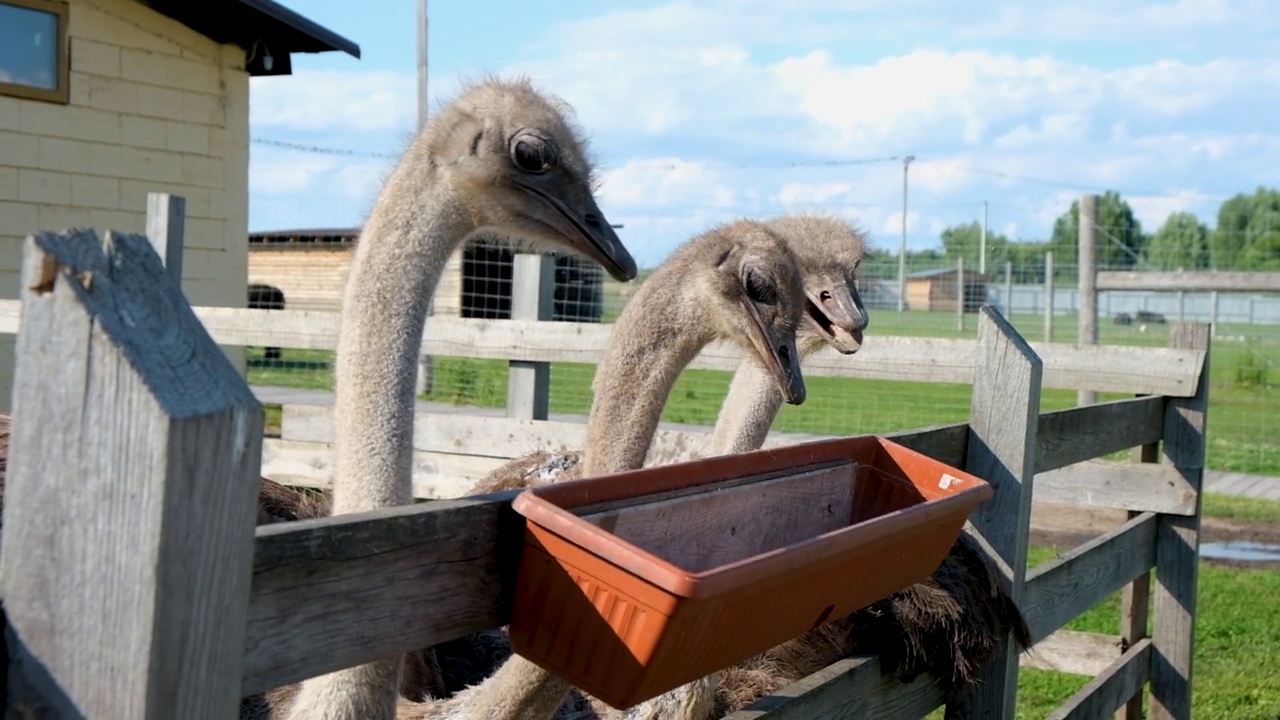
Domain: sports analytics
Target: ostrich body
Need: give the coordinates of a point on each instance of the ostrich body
(502, 159)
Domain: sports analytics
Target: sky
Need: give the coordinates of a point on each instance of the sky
(704, 112)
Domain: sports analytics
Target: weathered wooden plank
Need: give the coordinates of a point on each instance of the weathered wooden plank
(1178, 544)
(1110, 690)
(435, 475)
(1060, 590)
(1071, 651)
(849, 689)
(533, 295)
(131, 488)
(166, 218)
(1105, 368)
(452, 559)
(1136, 598)
(1107, 483)
(1084, 433)
(1190, 280)
(945, 443)
(496, 437)
(1002, 450)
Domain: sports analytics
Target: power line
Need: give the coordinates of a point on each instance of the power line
(320, 150)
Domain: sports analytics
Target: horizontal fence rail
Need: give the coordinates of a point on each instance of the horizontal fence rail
(1104, 368)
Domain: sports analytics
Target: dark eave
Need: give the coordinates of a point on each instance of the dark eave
(262, 27)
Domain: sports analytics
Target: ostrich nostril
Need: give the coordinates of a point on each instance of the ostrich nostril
(825, 296)
(784, 357)
(592, 219)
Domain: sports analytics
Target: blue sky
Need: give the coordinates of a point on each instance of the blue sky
(701, 112)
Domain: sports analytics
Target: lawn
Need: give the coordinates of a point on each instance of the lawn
(1244, 398)
(1237, 666)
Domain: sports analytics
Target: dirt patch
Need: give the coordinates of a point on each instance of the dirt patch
(1066, 526)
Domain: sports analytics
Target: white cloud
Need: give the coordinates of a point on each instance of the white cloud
(1170, 103)
(312, 100)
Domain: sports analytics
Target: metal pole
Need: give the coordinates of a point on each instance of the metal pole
(902, 250)
(1048, 296)
(960, 293)
(982, 242)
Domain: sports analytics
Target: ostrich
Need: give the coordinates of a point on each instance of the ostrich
(945, 627)
(738, 282)
(501, 158)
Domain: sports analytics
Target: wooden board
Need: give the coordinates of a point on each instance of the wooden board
(1112, 688)
(1144, 487)
(854, 687)
(1084, 433)
(1189, 280)
(1116, 368)
(722, 525)
(1075, 652)
(1062, 589)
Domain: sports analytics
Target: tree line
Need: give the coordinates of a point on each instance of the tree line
(1246, 237)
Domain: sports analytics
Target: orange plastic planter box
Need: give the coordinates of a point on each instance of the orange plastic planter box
(635, 583)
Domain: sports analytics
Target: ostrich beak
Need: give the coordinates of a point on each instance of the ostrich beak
(587, 231)
(836, 311)
(778, 355)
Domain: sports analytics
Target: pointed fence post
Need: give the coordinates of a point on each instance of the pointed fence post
(1178, 542)
(1003, 421)
(131, 492)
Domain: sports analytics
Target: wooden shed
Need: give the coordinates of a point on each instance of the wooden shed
(309, 268)
(938, 290)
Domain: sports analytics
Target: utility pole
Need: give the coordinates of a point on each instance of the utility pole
(902, 251)
(982, 242)
(425, 381)
(422, 64)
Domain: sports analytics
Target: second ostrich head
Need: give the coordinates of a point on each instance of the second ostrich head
(829, 251)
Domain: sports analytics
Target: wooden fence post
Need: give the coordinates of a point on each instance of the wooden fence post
(132, 487)
(1178, 542)
(1087, 273)
(166, 219)
(533, 287)
(1135, 598)
(1003, 423)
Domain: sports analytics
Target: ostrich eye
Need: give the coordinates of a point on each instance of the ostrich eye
(760, 289)
(532, 156)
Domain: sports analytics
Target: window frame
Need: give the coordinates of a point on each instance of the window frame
(62, 93)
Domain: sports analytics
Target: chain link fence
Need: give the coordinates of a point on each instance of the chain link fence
(1244, 413)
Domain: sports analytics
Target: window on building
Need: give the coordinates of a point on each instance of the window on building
(33, 49)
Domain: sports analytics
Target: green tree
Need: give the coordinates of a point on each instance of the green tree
(1181, 242)
(1247, 236)
(1119, 235)
(963, 241)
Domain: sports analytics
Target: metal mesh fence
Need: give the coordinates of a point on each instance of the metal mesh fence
(1244, 414)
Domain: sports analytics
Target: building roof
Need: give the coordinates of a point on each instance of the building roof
(939, 272)
(262, 27)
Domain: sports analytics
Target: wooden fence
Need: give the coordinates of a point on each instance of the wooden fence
(134, 584)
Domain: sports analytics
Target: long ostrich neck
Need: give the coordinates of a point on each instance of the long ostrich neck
(751, 404)
(410, 234)
(398, 261)
(660, 332)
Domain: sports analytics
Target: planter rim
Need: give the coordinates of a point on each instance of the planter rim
(549, 506)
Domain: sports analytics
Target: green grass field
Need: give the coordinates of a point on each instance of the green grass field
(1237, 666)
(1244, 398)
